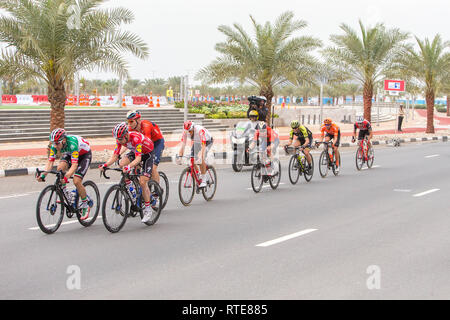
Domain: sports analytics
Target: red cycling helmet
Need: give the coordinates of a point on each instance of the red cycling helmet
(120, 130)
(57, 135)
(133, 115)
(188, 125)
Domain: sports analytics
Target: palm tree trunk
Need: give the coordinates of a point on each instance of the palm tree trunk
(368, 94)
(57, 99)
(268, 93)
(430, 111)
(448, 105)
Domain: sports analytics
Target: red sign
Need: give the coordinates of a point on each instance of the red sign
(394, 85)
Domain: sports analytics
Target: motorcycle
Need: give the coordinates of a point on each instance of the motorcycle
(240, 138)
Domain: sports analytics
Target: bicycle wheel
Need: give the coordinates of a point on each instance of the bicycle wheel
(115, 208)
(156, 200)
(186, 187)
(237, 167)
(294, 170)
(309, 174)
(323, 164)
(335, 172)
(371, 157)
(94, 204)
(211, 184)
(257, 178)
(50, 216)
(164, 185)
(359, 159)
(274, 181)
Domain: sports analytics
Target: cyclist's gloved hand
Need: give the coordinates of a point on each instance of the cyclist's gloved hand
(127, 169)
(66, 181)
(103, 166)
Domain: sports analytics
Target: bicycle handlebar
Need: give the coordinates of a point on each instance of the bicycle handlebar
(103, 173)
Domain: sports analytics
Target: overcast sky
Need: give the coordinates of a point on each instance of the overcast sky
(181, 34)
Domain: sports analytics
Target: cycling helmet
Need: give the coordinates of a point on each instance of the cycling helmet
(262, 98)
(120, 130)
(57, 135)
(359, 119)
(327, 121)
(133, 115)
(188, 125)
(253, 113)
(295, 124)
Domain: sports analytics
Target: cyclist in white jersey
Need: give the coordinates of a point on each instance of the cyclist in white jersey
(202, 142)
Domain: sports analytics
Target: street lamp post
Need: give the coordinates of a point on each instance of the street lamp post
(186, 88)
(321, 101)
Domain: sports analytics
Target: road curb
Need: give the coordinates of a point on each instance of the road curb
(217, 156)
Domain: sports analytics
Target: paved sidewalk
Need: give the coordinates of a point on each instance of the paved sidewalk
(411, 129)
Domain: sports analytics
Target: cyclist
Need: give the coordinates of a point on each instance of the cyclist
(301, 136)
(365, 129)
(269, 140)
(333, 132)
(202, 142)
(141, 148)
(152, 131)
(76, 158)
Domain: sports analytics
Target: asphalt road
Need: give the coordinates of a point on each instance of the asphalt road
(385, 229)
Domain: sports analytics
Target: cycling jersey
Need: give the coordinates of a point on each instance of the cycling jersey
(365, 125)
(151, 130)
(137, 143)
(269, 134)
(75, 146)
(201, 135)
(333, 130)
(302, 135)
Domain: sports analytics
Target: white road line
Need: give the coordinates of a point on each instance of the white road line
(402, 190)
(63, 224)
(425, 193)
(433, 156)
(285, 238)
(268, 186)
(15, 196)
(377, 166)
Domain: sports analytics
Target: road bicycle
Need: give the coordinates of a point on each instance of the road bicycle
(53, 203)
(163, 182)
(327, 160)
(189, 183)
(364, 154)
(265, 170)
(298, 165)
(119, 204)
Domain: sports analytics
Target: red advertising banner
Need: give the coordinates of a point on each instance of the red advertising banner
(394, 85)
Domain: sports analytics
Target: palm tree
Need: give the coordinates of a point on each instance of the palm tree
(269, 59)
(430, 65)
(365, 58)
(53, 39)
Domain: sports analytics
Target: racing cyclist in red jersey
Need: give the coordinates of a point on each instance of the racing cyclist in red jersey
(202, 142)
(152, 131)
(141, 149)
(365, 129)
(267, 139)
